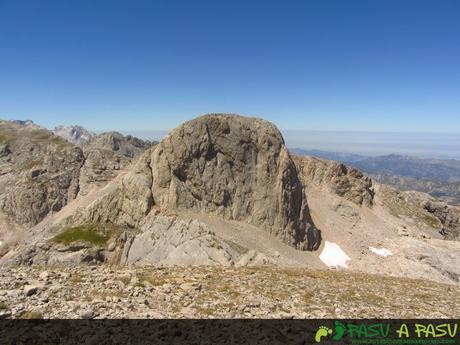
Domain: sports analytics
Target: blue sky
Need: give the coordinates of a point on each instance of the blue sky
(313, 65)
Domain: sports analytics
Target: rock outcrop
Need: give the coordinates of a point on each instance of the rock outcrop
(449, 217)
(212, 193)
(231, 166)
(39, 172)
(106, 155)
(339, 179)
(434, 217)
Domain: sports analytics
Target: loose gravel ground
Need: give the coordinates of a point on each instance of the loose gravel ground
(217, 292)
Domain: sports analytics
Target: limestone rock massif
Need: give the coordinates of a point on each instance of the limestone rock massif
(236, 167)
(231, 166)
(77, 135)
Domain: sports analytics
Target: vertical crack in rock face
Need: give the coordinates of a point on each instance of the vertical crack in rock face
(235, 167)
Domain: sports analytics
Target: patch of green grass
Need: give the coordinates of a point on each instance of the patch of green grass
(153, 280)
(77, 278)
(204, 311)
(31, 314)
(97, 234)
(125, 280)
(307, 296)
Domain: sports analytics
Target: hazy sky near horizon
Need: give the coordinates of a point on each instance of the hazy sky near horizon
(311, 65)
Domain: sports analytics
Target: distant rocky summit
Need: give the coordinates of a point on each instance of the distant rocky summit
(127, 146)
(25, 123)
(77, 135)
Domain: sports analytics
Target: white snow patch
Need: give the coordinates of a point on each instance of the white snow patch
(1, 243)
(381, 251)
(333, 256)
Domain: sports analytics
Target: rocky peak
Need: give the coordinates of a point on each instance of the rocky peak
(227, 165)
(77, 135)
(236, 167)
(128, 146)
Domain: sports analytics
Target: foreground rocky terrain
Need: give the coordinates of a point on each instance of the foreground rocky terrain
(217, 292)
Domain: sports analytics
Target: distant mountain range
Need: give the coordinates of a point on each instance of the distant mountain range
(437, 177)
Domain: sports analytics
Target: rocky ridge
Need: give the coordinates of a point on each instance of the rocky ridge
(339, 179)
(39, 172)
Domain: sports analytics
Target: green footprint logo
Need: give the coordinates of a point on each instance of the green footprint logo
(339, 331)
(322, 331)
